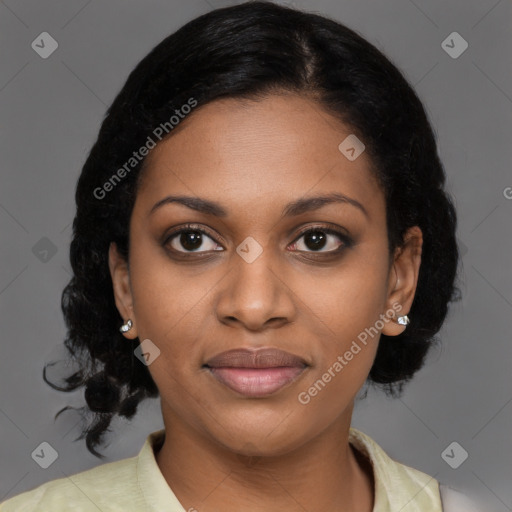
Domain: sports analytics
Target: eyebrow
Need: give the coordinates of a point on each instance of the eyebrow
(292, 209)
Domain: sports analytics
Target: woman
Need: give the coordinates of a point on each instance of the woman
(261, 229)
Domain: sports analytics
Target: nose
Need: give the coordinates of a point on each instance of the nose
(255, 295)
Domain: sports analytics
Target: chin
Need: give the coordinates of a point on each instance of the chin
(256, 437)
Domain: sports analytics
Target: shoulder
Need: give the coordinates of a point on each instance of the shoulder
(106, 486)
(399, 487)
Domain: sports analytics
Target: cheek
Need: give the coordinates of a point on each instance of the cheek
(346, 308)
(344, 356)
(170, 310)
(347, 299)
(166, 296)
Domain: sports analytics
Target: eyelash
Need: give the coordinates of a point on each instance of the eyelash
(347, 242)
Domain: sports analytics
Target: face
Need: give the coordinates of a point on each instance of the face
(258, 270)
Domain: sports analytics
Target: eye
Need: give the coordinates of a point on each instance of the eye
(191, 238)
(318, 238)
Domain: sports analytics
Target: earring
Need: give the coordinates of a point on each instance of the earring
(403, 320)
(127, 326)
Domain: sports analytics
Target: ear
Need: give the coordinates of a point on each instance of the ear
(403, 279)
(120, 275)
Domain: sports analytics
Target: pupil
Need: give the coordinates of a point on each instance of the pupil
(191, 240)
(317, 238)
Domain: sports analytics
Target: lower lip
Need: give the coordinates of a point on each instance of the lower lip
(256, 382)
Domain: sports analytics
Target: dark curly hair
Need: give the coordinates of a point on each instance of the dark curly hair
(249, 51)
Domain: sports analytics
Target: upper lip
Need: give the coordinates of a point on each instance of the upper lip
(255, 358)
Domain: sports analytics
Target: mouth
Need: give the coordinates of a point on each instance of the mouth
(256, 373)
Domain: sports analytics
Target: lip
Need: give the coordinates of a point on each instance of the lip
(256, 372)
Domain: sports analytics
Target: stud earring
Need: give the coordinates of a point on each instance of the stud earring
(127, 326)
(403, 320)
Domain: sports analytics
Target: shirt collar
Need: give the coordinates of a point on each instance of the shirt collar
(157, 493)
(398, 488)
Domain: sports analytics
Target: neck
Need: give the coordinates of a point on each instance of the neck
(325, 473)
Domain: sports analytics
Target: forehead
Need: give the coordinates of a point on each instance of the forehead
(246, 152)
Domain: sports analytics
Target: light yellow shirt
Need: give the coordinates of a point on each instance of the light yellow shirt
(136, 484)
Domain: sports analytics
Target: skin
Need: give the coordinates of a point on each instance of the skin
(224, 451)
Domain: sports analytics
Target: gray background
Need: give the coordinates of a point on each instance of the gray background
(50, 111)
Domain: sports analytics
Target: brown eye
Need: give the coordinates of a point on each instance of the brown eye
(317, 239)
(191, 239)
